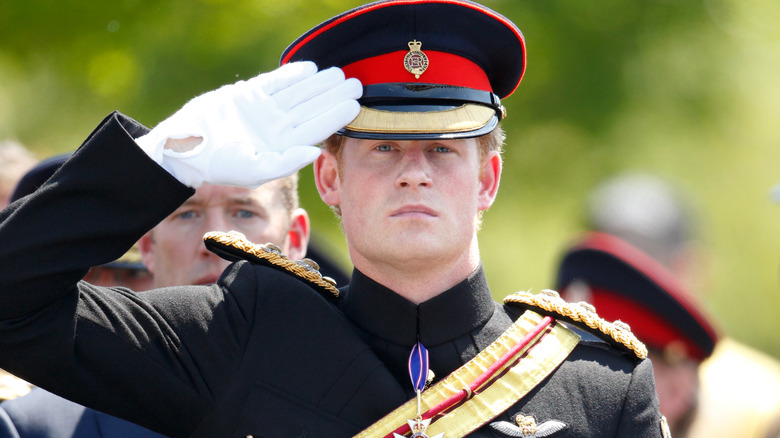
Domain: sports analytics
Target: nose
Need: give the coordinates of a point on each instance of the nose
(414, 171)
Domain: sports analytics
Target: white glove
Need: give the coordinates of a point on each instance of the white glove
(257, 130)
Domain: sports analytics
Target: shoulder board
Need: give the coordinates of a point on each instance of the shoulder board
(581, 314)
(234, 246)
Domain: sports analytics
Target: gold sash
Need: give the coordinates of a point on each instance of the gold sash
(519, 376)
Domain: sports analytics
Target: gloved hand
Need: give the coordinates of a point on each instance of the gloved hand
(257, 130)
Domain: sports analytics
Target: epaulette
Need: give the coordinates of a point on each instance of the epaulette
(581, 314)
(234, 246)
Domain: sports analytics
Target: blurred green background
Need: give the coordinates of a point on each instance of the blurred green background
(687, 90)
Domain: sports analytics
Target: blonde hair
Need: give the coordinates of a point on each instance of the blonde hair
(288, 191)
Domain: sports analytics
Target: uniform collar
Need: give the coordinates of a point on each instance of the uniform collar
(384, 314)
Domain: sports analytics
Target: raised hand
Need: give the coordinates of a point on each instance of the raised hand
(254, 131)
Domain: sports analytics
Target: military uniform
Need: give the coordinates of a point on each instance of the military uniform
(262, 352)
(272, 349)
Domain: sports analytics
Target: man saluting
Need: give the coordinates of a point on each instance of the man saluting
(415, 344)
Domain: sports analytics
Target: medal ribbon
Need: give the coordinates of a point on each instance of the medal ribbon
(418, 366)
(473, 387)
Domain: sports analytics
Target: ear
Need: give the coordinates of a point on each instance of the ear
(326, 177)
(146, 248)
(298, 236)
(491, 175)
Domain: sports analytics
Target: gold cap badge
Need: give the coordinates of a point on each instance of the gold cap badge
(415, 62)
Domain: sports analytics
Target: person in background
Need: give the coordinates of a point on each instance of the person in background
(650, 214)
(624, 283)
(127, 271)
(739, 385)
(270, 213)
(174, 251)
(41, 414)
(15, 160)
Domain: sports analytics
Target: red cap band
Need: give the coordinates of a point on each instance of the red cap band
(443, 68)
(645, 323)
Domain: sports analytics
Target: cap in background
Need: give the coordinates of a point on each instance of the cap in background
(626, 284)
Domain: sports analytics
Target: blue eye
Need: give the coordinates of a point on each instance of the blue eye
(190, 214)
(384, 148)
(245, 214)
(442, 149)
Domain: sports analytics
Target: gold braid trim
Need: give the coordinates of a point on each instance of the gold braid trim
(528, 368)
(582, 312)
(236, 245)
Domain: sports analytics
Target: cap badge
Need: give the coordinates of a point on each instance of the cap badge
(415, 62)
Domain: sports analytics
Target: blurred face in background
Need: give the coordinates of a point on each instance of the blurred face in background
(677, 384)
(174, 251)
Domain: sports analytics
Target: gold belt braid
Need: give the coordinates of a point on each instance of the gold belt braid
(528, 367)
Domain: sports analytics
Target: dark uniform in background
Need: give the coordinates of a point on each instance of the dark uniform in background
(624, 282)
(267, 353)
(41, 414)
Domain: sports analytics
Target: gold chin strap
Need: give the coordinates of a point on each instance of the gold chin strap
(527, 368)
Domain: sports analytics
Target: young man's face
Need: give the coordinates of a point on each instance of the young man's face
(174, 250)
(409, 201)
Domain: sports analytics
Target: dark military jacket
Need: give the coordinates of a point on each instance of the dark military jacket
(262, 352)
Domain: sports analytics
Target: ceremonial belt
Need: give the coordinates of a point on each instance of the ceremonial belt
(487, 385)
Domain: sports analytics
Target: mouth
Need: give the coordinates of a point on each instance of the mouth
(411, 211)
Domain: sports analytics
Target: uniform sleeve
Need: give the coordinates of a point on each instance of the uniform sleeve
(90, 344)
(90, 212)
(640, 415)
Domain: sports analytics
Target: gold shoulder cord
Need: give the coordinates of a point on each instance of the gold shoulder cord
(550, 302)
(236, 246)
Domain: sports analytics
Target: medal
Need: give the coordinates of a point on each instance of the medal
(418, 373)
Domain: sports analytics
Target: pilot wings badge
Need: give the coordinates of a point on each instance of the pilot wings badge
(527, 428)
